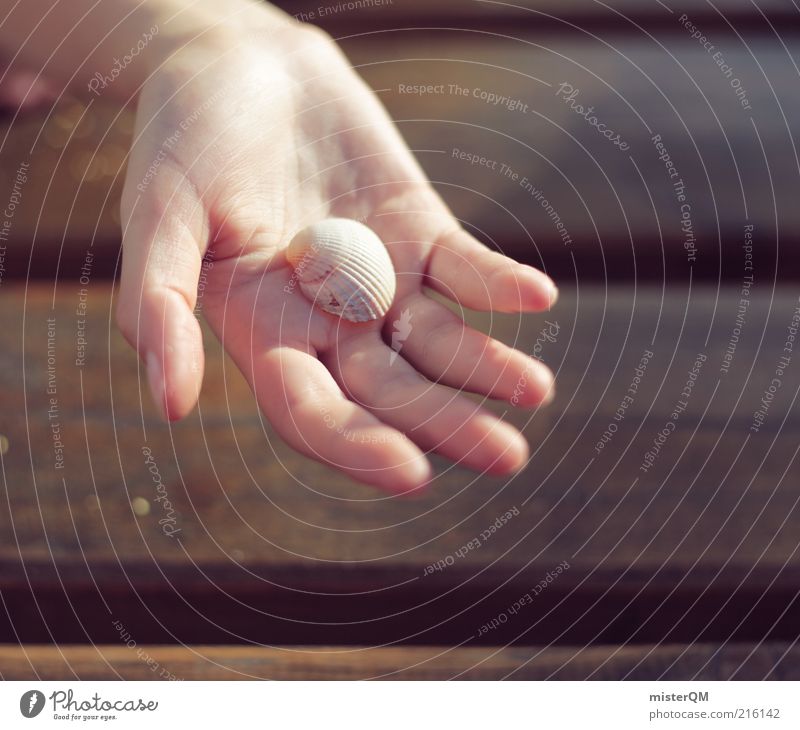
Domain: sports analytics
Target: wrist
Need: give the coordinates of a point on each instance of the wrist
(110, 48)
(168, 29)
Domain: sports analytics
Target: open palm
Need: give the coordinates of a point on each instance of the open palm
(238, 149)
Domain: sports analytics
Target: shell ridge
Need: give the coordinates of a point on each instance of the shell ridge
(343, 268)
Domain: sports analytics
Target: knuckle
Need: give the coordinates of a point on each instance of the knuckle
(440, 336)
(496, 266)
(313, 34)
(321, 46)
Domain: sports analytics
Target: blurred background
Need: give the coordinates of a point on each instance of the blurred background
(725, 112)
(641, 152)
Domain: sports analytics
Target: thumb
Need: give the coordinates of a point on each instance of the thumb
(163, 241)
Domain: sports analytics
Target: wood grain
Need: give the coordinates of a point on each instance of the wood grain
(528, 13)
(272, 548)
(674, 662)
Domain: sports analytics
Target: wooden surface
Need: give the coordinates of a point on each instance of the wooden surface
(681, 570)
(618, 207)
(701, 661)
(275, 549)
(527, 11)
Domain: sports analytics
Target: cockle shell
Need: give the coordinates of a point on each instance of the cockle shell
(344, 268)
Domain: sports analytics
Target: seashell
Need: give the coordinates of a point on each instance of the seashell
(344, 268)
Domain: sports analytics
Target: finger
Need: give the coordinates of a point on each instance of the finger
(163, 237)
(309, 410)
(464, 270)
(433, 416)
(438, 343)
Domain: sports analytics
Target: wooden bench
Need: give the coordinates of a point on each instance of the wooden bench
(626, 549)
(260, 546)
(633, 62)
(668, 662)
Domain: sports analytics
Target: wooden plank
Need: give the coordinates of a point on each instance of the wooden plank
(334, 14)
(72, 161)
(271, 548)
(674, 662)
(619, 209)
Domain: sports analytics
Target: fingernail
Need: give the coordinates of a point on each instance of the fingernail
(553, 294)
(546, 385)
(515, 449)
(155, 378)
(419, 474)
(420, 471)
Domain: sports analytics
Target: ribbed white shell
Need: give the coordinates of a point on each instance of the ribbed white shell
(344, 268)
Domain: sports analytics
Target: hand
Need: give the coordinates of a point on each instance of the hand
(241, 140)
